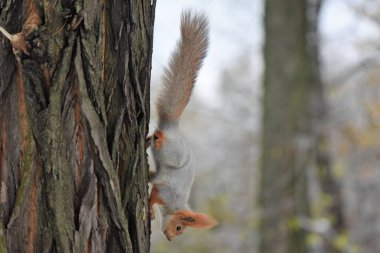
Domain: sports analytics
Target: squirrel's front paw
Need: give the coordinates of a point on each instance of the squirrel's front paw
(158, 139)
(151, 213)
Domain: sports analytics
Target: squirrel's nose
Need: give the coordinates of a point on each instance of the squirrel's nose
(167, 236)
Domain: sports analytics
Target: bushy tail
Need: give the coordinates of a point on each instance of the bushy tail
(185, 62)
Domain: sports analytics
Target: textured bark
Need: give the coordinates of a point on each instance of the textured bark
(74, 117)
(293, 130)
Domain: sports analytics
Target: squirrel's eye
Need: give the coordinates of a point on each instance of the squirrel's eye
(178, 228)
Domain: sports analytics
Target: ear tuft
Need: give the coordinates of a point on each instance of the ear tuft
(188, 219)
(201, 221)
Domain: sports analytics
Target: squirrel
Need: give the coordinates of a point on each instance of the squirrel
(172, 155)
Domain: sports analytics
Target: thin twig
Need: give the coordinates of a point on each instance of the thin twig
(6, 34)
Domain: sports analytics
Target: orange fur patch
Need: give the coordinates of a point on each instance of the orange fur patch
(159, 138)
(196, 220)
(185, 218)
(154, 198)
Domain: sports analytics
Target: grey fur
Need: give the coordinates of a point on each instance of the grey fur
(175, 172)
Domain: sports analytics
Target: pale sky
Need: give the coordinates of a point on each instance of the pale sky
(343, 31)
(236, 29)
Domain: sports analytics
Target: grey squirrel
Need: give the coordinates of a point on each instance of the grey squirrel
(172, 155)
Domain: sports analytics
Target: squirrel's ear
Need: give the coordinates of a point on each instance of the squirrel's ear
(199, 220)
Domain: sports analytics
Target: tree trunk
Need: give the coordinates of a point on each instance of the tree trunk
(293, 131)
(329, 185)
(74, 117)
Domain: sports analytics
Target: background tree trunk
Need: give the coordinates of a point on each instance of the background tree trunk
(293, 145)
(74, 117)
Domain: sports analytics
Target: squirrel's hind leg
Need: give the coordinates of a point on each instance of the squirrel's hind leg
(154, 198)
(158, 138)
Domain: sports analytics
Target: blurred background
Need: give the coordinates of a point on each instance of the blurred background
(284, 123)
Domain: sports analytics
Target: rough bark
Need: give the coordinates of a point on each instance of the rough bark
(74, 116)
(293, 130)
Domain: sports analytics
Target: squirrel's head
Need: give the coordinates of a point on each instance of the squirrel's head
(175, 224)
